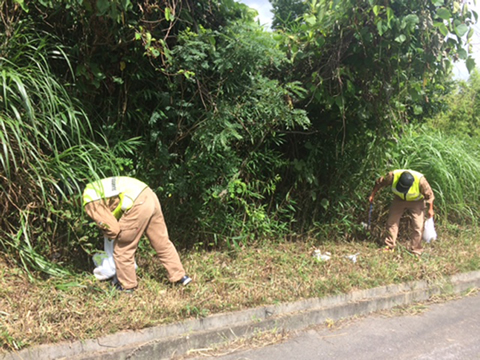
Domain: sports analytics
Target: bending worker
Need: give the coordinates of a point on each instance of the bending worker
(124, 208)
(412, 191)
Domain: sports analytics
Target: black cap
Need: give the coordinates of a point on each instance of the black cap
(405, 182)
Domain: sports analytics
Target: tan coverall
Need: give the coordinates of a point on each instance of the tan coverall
(145, 216)
(398, 207)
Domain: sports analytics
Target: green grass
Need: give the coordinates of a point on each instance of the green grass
(48, 311)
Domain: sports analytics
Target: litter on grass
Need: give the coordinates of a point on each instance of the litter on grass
(353, 257)
(317, 254)
(104, 263)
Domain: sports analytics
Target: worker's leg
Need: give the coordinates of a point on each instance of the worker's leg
(396, 211)
(132, 225)
(157, 233)
(417, 209)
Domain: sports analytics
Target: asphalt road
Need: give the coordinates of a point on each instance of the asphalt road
(449, 330)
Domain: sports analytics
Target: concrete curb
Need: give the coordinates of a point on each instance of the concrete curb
(163, 342)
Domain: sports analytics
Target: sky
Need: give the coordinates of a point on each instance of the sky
(460, 70)
(263, 7)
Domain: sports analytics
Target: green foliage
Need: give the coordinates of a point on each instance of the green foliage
(369, 69)
(452, 167)
(232, 159)
(365, 61)
(46, 139)
(460, 116)
(243, 133)
(285, 12)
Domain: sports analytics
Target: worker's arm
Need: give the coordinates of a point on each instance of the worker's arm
(384, 181)
(427, 193)
(103, 217)
(374, 191)
(431, 213)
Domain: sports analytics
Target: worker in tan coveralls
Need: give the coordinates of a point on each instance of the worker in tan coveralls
(124, 208)
(412, 191)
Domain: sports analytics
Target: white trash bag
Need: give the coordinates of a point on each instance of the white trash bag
(429, 233)
(105, 266)
(353, 257)
(317, 254)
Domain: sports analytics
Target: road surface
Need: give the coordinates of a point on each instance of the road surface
(449, 330)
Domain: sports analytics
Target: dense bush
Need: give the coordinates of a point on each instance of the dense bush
(244, 134)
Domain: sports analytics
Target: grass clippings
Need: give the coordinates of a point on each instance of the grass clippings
(48, 311)
(259, 339)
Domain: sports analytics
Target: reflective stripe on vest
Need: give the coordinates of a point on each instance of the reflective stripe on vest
(414, 193)
(126, 188)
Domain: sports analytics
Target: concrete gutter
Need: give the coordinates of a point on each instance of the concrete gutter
(164, 342)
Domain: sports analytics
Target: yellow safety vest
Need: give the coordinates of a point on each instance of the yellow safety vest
(126, 188)
(414, 193)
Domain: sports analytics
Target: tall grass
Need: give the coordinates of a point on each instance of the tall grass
(450, 164)
(452, 167)
(45, 140)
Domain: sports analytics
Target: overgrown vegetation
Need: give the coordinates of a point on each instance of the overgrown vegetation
(247, 136)
(46, 140)
(459, 116)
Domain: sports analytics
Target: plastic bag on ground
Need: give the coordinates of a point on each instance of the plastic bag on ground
(321, 257)
(105, 265)
(353, 257)
(429, 233)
